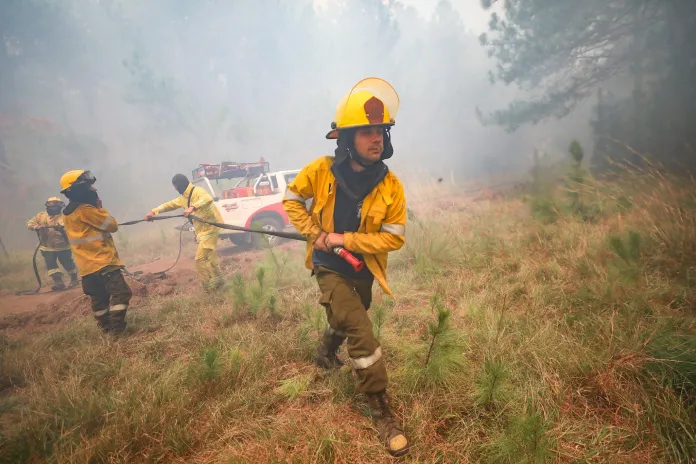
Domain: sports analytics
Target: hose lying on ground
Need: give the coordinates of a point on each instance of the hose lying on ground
(33, 260)
(181, 243)
(36, 270)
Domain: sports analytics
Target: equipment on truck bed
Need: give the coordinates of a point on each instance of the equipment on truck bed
(230, 170)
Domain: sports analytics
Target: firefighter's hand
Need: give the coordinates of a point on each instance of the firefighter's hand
(149, 215)
(189, 210)
(320, 242)
(334, 240)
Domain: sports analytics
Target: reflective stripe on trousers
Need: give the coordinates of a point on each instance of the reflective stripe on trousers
(366, 361)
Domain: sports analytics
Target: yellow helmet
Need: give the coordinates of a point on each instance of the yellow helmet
(75, 177)
(53, 200)
(371, 102)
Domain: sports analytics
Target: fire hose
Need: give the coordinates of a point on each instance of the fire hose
(340, 251)
(37, 275)
(36, 270)
(355, 263)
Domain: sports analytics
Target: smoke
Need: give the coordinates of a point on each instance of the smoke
(138, 91)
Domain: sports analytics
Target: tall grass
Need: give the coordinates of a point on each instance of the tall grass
(510, 340)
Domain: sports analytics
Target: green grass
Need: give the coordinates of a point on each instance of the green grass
(511, 339)
(17, 272)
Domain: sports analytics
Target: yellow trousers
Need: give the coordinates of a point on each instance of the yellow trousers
(207, 264)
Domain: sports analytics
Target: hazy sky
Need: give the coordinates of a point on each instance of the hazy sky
(473, 15)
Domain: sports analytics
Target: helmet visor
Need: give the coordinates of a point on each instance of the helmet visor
(382, 90)
(85, 178)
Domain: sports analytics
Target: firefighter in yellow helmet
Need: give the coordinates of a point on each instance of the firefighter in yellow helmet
(357, 204)
(197, 200)
(88, 227)
(53, 243)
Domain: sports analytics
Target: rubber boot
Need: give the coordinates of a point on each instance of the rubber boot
(390, 430)
(117, 322)
(57, 282)
(327, 353)
(103, 322)
(73, 280)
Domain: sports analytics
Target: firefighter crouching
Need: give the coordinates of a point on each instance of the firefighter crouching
(357, 204)
(89, 227)
(53, 243)
(196, 200)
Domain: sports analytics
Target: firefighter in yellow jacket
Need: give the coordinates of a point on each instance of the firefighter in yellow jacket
(357, 204)
(88, 227)
(53, 243)
(197, 201)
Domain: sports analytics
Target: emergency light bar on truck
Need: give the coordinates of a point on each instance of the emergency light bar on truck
(230, 170)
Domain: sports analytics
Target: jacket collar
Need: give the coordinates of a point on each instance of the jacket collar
(187, 192)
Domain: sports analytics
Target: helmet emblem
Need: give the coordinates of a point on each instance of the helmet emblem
(374, 110)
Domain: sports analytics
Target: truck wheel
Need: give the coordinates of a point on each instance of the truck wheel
(262, 240)
(240, 240)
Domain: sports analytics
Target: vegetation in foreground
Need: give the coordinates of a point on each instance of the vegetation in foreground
(562, 335)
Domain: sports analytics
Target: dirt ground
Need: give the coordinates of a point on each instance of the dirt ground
(34, 312)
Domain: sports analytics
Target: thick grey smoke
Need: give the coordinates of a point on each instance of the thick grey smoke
(141, 90)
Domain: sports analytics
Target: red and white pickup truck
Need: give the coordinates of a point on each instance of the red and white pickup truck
(247, 195)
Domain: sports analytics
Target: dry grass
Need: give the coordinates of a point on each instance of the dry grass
(561, 347)
(136, 244)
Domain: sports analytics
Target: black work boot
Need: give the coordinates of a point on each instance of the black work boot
(103, 322)
(73, 280)
(117, 322)
(327, 353)
(57, 282)
(389, 427)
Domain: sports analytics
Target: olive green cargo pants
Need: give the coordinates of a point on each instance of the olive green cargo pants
(346, 302)
(110, 295)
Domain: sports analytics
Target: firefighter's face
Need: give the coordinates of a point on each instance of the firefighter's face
(369, 143)
(54, 208)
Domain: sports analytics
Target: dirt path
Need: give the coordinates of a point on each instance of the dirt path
(47, 307)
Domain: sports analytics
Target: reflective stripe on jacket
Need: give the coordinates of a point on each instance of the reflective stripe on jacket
(205, 209)
(382, 220)
(49, 239)
(89, 232)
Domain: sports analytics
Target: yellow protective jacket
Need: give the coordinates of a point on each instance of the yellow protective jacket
(205, 209)
(89, 231)
(50, 239)
(382, 221)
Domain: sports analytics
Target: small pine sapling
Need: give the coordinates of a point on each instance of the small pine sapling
(239, 290)
(444, 354)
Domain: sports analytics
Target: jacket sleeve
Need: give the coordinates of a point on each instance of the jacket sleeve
(202, 199)
(99, 218)
(392, 233)
(169, 206)
(297, 192)
(33, 223)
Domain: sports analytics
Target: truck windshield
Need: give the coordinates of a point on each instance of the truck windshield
(290, 177)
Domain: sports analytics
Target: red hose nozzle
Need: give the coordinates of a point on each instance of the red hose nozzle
(350, 258)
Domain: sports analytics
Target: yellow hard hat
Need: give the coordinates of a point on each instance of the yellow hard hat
(54, 200)
(75, 177)
(371, 102)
